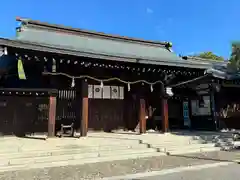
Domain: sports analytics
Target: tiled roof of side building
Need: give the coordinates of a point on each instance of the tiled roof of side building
(205, 60)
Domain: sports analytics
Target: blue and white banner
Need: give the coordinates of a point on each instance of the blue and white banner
(186, 118)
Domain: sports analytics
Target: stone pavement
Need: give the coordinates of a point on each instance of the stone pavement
(24, 153)
(117, 168)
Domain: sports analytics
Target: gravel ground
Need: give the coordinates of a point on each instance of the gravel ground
(216, 156)
(116, 168)
(227, 172)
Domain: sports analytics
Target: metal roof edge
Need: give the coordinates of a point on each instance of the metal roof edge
(68, 29)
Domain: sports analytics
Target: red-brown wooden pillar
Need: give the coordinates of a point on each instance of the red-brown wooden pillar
(52, 115)
(142, 116)
(84, 119)
(165, 120)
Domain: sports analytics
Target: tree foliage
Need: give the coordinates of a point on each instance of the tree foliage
(234, 64)
(210, 56)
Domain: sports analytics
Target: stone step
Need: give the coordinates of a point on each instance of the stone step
(132, 151)
(10, 150)
(193, 146)
(78, 161)
(93, 146)
(89, 141)
(62, 151)
(174, 142)
(57, 143)
(169, 135)
(162, 148)
(194, 150)
(166, 139)
(121, 135)
(59, 158)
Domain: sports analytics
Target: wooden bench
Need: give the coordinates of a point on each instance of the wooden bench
(65, 127)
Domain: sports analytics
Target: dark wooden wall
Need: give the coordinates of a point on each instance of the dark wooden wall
(228, 107)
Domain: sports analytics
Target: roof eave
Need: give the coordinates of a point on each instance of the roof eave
(53, 49)
(203, 59)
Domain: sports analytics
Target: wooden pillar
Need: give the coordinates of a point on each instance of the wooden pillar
(142, 116)
(190, 112)
(165, 120)
(84, 119)
(164, 109)
(52, 115)
(213, 109)
(52, 102)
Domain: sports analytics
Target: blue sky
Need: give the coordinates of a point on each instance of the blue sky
(191, 25)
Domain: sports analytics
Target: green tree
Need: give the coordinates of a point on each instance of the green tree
(234, 64)
(210, 56)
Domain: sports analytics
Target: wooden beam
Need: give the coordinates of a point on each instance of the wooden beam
(50, 91)
(84, 119)
(52, 116)
(142, 116)
(165, 120)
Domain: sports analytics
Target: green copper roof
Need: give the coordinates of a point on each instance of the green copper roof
(98, 45)
(54, 38)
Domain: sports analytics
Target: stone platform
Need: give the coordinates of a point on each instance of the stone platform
(26, 153)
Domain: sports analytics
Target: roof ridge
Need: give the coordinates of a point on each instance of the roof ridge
(27, 21)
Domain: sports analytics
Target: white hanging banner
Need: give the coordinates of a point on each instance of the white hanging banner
(97, 93)
(90, 91)
(114, 92)
(121, 92)
(106, 92)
